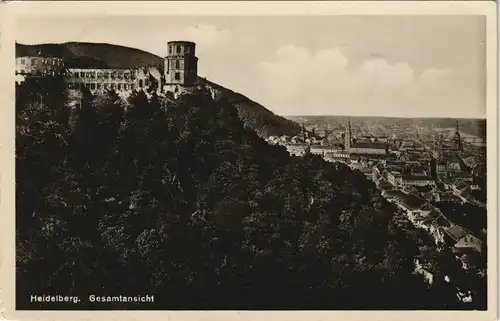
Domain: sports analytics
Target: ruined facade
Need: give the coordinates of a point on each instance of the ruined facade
(100, 80)
(39, 66)
(179, 74)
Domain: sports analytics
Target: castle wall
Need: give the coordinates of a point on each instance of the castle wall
(100, 80)
(180, 73)
(41, 66)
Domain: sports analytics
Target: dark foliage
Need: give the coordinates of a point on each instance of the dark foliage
(180, 200)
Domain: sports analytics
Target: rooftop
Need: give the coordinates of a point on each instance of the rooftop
(181, 41)
(369, 145)
(417, 178)
(456, 232)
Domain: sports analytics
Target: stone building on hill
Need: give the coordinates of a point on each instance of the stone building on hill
(181, 67)
(39, 66)
(178, 75)
(100, 80)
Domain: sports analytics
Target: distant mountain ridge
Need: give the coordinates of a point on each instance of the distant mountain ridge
(471, 126)
(103, 55)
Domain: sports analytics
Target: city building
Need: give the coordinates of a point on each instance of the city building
(363, 148)
(414, 180)
(459, 237)
(395, 178)
(296, 149)
(441, 170)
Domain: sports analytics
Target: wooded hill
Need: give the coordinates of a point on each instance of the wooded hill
(178, 199)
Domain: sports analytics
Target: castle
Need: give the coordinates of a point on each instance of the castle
(179, 74)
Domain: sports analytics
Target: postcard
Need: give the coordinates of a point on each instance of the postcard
(248, 160)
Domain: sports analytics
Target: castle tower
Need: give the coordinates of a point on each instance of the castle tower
(457, 143)
(181, 65)
(347, 136)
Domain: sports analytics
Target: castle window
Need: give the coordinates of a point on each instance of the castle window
(125, 86)
(119, 86)
(82, 75)
(92, 86)
(170, 50)
(99, 75)
(177, 76)
(146, 82)
(177, 64)
(140, 83)
(178, 49)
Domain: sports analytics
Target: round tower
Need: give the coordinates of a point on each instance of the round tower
(181, 64)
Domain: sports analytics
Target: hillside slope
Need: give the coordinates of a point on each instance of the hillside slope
(102, 55)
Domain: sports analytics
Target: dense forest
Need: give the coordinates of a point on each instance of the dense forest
(179, 199)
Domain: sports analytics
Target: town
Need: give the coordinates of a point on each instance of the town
(417, 168)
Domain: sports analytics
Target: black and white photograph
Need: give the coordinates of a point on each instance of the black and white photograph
(253, 162)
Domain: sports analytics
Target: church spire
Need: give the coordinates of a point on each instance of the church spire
(347, 136)
(457, 143)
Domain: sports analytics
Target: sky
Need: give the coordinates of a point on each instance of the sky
(394, 65)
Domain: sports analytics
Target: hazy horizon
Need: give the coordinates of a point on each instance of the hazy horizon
(402, 66)
(377, 116)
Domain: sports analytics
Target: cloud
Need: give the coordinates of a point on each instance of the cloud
(437, 79)
(298, 81)
(207, 35)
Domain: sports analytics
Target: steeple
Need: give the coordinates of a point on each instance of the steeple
(347, 136)
(457, 143)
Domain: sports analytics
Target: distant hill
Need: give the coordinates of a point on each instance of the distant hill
(475, 127)
(84, 54)
(256, 116)
(102, 55)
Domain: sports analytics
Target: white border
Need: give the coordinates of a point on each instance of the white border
(8, 14)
